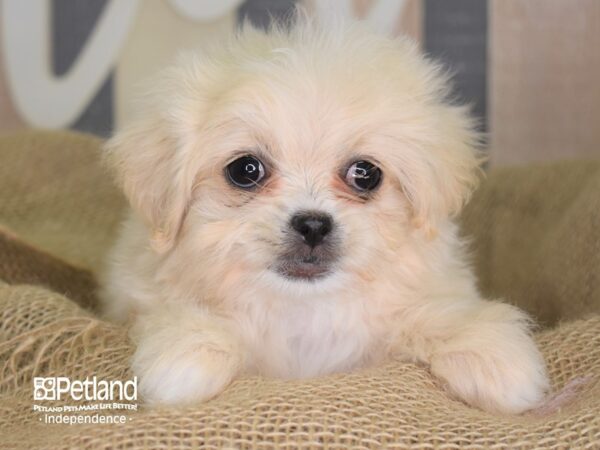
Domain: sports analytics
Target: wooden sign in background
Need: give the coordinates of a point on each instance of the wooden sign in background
(544, 70)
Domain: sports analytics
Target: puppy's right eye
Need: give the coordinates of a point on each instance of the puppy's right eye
(245, 172)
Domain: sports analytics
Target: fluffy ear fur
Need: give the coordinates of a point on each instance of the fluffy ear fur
(447, 169)
(144, 158)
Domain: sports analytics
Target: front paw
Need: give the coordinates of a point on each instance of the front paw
(495, 381)
(183, 371)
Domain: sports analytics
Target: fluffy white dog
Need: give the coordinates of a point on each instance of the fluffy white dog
(292, 198)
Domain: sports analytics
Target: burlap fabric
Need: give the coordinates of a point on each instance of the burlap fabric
(535, 241)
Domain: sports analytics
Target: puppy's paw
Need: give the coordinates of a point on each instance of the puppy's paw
(177, 368)
(496, 367)
(491, 384)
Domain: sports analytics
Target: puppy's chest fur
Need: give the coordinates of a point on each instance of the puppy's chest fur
(308, 337)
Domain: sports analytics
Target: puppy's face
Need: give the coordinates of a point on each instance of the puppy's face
(298, 191)
(291, 165)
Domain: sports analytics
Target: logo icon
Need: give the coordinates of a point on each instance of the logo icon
(44, 388)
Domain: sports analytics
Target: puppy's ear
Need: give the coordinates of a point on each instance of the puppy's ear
(442, 171)
(145, 160)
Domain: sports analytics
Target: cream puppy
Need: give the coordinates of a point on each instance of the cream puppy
(292, 198)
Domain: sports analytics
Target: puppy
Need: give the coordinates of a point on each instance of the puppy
(292, 199)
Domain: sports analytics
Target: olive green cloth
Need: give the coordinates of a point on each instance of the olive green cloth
(535, 239)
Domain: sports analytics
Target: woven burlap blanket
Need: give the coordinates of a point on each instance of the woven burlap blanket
(536, 242)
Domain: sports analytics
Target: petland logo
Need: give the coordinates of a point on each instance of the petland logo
(57, 388)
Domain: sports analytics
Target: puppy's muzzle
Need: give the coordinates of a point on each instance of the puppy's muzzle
(311, 247)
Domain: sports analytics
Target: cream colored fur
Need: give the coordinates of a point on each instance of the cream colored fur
(191, 268)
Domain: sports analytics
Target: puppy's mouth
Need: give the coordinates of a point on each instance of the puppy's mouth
(310, 268)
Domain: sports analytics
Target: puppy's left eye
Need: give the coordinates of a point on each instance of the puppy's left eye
(363, 176)
(245, 172)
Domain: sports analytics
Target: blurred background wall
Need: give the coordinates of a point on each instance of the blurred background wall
(530, 68)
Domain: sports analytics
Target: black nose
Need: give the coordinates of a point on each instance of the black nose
(312, 226)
